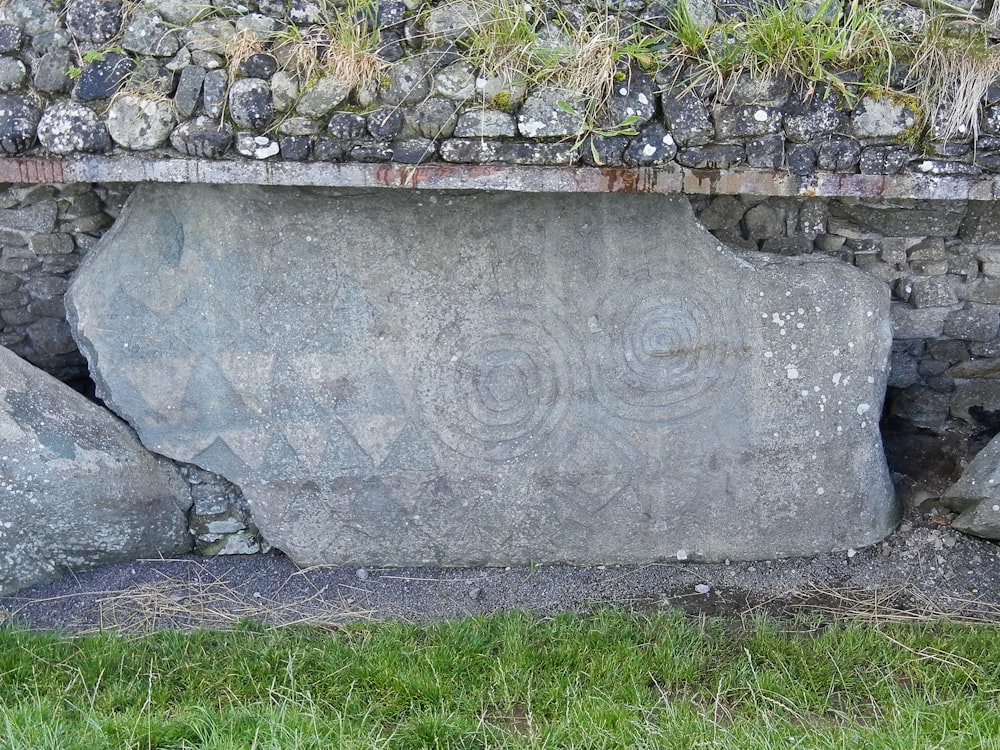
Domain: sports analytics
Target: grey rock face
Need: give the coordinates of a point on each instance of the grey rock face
(102, 78)
(433, 118)
(409, 82)
(147, 34)
(687, 117)
(976, 495)
(78, 489)
(413, 150)
(188, 91)
(457, 81)
(654, 145)
(11, 38)
(771, 91)
(712, 156)
(66, 127)
(745, 121)
(883, 159)
(385, 122)
(32, 16)
(766, 152)
(50, 71)
(300, 126)
(260, 65)
(634, 100)
(473, 150)
(838, 154)
(545, 382)
(346, 126)
(321, 98)
(453, 20)
(821, 117)
(214, 92)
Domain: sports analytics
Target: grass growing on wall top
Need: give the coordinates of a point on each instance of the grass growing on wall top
(615, 679)
(944, 56)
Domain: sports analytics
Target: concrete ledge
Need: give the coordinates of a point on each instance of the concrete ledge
(532, 179)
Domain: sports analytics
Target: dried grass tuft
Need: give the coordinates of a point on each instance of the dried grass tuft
(202, 600)
(903, 603)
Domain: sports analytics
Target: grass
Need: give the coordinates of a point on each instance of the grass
(611, 680)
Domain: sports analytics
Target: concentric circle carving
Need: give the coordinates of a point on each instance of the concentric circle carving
(662, 349)
(498, 383)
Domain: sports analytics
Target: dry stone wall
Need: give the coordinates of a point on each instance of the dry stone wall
(222, 80)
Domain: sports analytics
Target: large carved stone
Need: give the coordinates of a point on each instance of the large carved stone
(76, 487)
(416, 377)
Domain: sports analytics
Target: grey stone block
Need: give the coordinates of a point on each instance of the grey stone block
(982, 224)
(519, 377)
(687, 117)
(881, 118)
(78, 489)
(976, 322)
(902, 222)
(745, 121)
(922, 323)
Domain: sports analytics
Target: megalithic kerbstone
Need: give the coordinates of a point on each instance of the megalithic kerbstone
(408, 377)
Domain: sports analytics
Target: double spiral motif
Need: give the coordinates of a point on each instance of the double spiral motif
(498, 382)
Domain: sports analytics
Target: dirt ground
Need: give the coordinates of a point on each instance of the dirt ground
(924, 570)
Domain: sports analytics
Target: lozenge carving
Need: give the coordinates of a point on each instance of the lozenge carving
(406, 377)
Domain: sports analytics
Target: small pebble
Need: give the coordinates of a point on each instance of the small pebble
(702, 588)
(851, 553)
(475, 593)
(362, 574)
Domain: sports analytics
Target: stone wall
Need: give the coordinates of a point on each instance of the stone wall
(46, 229)
(173, 77)
(940, 258)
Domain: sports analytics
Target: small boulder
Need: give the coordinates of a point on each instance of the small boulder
(551, 112)
(140, 124)
(101, 78)
(321, 98)
(66, 127)
(78, 488)
(250, 103)
(653, 146)
(976, 495)
(96, 21)
(881, 118)
(18, 121)
(202, 137)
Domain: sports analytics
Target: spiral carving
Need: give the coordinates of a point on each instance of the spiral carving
(497, 382)
(662, 350)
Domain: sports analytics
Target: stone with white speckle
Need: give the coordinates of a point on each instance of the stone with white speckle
(139, 123)
(18, 121)
(67, 127)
